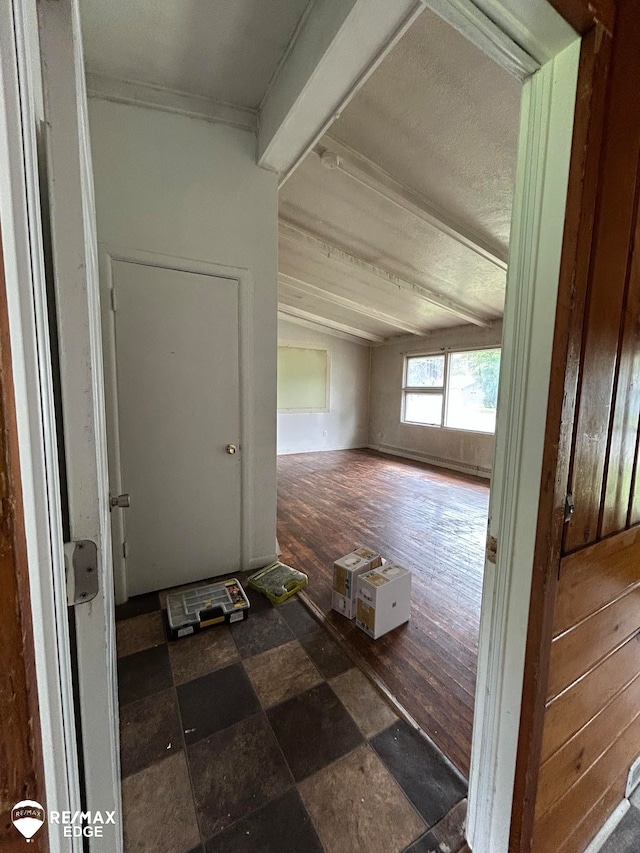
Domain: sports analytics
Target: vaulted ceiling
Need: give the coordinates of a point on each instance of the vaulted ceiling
(398, 221)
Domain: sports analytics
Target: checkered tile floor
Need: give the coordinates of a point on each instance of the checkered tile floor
(263, 737)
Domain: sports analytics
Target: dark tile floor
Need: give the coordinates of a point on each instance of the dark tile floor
(263, 737)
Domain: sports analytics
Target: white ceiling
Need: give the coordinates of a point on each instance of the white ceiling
(436, 123)
(226, 50)
(441, 118)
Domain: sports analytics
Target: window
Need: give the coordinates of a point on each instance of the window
(303, 378)
(424, 389)
(457, 390)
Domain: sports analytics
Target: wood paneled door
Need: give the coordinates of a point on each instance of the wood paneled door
(580, 725)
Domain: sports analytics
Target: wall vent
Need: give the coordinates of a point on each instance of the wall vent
(633, 780)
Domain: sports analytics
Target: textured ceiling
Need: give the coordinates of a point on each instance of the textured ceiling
(443, 118)
(437, 121)
(440, 118)
(227, 51)
(349, 216)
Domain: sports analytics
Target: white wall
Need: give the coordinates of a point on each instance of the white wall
(184, 187)
(467, 451)
(346, 424)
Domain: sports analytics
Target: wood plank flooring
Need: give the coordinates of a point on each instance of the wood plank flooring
(433, 522)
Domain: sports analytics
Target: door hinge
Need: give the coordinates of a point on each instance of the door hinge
(492, 548)
(569, 507)
(125, 550)
(81, 567)
(113, 299)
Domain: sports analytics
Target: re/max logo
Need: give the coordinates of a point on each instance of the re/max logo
(87, 824)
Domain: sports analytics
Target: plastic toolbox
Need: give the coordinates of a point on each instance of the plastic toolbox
(202, 606)
(278, 582)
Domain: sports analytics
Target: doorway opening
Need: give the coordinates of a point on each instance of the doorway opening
(154, 238)
(394, 241)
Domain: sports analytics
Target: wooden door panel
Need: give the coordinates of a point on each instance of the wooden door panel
(592, 578)
(624, 429)
(634, 508)
(583, 647)
(615, 219)
(576, 756)
(568, 812)
(575, 707)
(595, 817)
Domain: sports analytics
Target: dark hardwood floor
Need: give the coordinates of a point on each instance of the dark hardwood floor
(433, 522)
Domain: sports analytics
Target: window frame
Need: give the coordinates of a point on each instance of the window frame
(440, 389)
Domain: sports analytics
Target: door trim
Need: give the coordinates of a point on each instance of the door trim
(107, 255)
(26, 293)
(77, 297)
(544, 155)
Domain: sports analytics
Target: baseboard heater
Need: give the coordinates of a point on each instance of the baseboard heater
(438, 461)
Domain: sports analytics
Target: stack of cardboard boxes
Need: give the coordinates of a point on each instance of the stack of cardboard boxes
(375, 592)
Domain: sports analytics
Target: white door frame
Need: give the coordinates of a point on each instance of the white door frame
(544, 155)
(107, 255)
(74, 261)
(20, 114)
(528, 328)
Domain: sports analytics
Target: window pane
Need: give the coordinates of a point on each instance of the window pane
(423, 408)
(425, 371)
(472, 390)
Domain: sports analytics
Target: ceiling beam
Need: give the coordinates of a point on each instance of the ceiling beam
(336, 155)
(482, 31)
(291, 311)
(325, 330)
(295, 234)
(337, 47)
(170, 100)
(350, 304)
(536, 26)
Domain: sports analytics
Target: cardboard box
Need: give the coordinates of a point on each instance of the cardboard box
(345, 574)
(383, 599)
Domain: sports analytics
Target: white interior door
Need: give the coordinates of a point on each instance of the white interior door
(178, 399)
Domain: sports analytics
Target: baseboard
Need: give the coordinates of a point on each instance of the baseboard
(608, 827)
(322, 449)
(475, 470)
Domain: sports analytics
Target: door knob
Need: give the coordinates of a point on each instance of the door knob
(122, 501)
(231, 448)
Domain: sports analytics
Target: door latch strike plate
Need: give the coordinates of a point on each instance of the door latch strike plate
(81, 565)
(569, 508)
